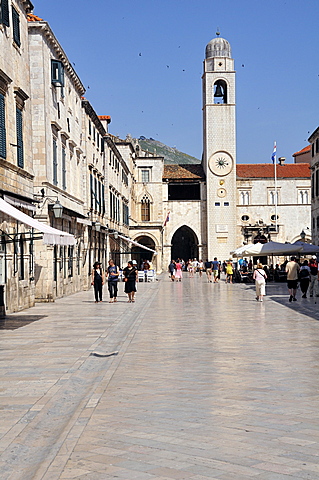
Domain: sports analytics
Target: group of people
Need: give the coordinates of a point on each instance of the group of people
(306, 274)
(111, 274)
(193, 266)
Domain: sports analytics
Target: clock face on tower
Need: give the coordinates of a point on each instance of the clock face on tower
(221, 163)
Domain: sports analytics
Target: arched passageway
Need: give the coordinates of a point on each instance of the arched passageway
(184, 244)
(139, 254)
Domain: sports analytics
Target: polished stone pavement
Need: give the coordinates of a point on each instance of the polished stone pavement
(207, 384)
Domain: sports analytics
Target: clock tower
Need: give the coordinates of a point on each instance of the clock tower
(219, 156)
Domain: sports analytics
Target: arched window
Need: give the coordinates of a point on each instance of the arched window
(145, 209)
(220, 91)
(244, 198)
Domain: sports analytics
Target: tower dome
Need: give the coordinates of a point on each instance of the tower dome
(218, 47)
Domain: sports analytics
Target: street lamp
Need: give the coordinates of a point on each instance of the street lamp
(302, 235)
(57, 209)
(97, 226)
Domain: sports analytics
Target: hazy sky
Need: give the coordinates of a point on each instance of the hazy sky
(141, 62)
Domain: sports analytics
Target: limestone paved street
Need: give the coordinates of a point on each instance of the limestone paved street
(208, 384)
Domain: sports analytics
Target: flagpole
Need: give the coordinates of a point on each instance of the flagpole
(275, 172)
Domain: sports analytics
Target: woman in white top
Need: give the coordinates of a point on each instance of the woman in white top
(260, 281)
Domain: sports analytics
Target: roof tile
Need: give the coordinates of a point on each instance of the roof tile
(266, 170)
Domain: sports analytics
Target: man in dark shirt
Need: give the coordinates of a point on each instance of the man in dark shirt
(208, 268)
(215, 267)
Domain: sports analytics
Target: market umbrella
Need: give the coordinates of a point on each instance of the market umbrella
(272, 248)
(307, 248)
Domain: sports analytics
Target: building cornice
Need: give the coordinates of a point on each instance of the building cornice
(44, 29)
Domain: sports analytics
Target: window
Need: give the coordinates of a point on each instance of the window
(273, 196)
(179, 191)
(21, 263)
(63, 169)
(226, 204)
(55, 162)
(303, 196)
(145, 209)
(217, 204)
(16, 27)
(273, 218)
(312, 149)
(244, 198)
(317, 145)
(145, 176)
(19, 127)
(245, 218)
(125, 214)
(317, 183)
(70, 261)
(57, 73)
(4, 12)
(3, 148)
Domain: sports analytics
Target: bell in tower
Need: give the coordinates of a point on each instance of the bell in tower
(220, 92)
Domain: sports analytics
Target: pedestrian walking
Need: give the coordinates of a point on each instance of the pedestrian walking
(313, 265)
(178, 272)
(130, 278)
(112, 280)
(229, 272)
(304, 277)
(260, 276)
(200, 267)
(190, 268)
(208, 268)
(215, 268)
(171, 269)
(97, 280)
(292, 269)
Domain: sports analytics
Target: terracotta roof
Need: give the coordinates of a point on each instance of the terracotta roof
(105, 117)
(34, 18)
(266, 170)
(186, 172)
(304, 150)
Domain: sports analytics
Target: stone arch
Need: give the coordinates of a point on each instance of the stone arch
(184, 244)
(138, 253)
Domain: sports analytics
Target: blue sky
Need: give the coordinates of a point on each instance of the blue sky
(142, 62)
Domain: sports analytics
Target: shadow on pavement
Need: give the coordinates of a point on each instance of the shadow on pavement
(12, 322)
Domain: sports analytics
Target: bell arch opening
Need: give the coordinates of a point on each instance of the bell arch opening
(184, 244)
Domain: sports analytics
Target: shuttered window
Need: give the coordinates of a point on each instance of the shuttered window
(63, 169)
(4, 12)
(3, 149)
(16, 27)
(19, 125)
(55, 162)
(91, 191)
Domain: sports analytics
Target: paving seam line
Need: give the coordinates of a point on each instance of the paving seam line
(91, 400)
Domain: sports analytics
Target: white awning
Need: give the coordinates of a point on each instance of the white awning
(129, 240)
(51, 236)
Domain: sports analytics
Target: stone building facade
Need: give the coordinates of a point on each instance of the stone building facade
(314, 165)
(57, 151)
(17, 288)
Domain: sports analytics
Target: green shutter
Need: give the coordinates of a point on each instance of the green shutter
(91, 190)
(19, 126)
(55, 162)
(3, 149)
(4, 12)
(63, 169)
(16, 26)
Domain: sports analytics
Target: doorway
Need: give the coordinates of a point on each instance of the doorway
(184, 244)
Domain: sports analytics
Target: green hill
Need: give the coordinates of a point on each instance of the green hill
(171, 155)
